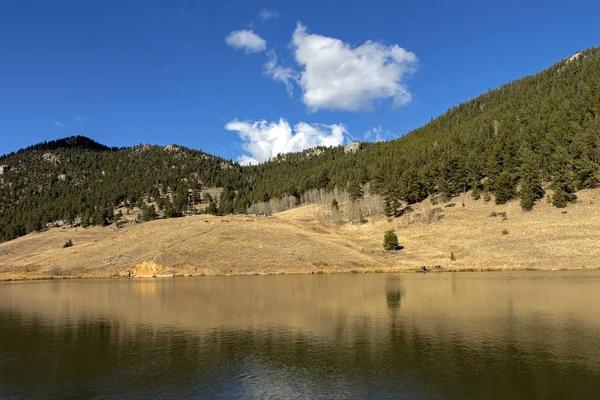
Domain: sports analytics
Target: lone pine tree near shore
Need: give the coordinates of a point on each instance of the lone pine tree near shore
(390, 241)
(540, 132)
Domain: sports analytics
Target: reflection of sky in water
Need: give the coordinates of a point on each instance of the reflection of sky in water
(492, 335)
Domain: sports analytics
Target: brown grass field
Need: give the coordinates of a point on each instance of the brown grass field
(303, 240)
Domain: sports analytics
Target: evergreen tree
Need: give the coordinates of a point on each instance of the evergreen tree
(531, 184)
(391, 203)
(148, 213)
(98, 218)
(33, 223)
(226, 205)
(390, 241)
(170, 210)
(334, 205)
(527, 196)
(355, 191)
(586, 173)
(85, 218)
(212, 208)
(504, 187)
(562, 181)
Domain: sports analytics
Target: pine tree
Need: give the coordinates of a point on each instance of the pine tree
(527, 196)
(98, 218)
(531, 184)
(334, 205)
(226, 204)
(212, 208)
(148, 213)
(355, 191)
(170, 210)
(391, 203)
(504, 187)
(390, 240)
(586, 173)
(85, 218)
(562, 182)
(33, 224)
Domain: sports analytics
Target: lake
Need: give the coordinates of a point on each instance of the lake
(493, 335)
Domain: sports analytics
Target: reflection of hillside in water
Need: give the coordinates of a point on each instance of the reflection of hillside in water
(460, 334)
(315, 303)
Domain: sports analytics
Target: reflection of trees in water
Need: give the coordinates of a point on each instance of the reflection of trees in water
(95, 357)
(393, 292)
(393, 299)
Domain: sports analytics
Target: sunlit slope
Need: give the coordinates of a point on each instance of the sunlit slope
(303, 240)
(214, 245)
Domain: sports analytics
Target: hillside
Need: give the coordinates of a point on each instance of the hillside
(539, 131)
(533, 138)
(304, 240)
(78, 181)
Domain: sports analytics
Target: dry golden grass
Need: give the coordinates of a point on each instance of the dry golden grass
(299, 241)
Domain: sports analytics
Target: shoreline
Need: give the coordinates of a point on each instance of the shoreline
(319, 272)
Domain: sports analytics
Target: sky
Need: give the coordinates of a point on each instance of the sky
(247, 80)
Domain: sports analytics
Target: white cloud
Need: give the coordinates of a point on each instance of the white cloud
(249, 41)
(79, 118)
(59, 124)
(336, 76)
(264, 140)
(265, 14)
(287, 75)
(378, 134)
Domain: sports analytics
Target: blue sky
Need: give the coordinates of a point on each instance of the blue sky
(197, 73)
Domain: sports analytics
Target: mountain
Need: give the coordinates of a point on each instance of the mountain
(78, 178)
(540, 131)
(535, 137)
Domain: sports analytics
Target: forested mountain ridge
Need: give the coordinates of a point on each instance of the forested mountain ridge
(77, 178)
(539, 130)
(537, 133)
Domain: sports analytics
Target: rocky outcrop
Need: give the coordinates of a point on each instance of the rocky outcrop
(172, 148)
(142, 147)
(574, 57)
(51, 158)
(352, 147)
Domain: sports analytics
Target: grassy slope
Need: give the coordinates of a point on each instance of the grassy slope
(297, 241)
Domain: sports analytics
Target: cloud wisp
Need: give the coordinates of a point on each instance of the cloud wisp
(336, 76)
(264, 140)
(378, 134)
(287, 75)
(266, 14)
(246, 40)
(59, 124)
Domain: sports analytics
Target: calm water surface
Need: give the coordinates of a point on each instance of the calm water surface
(520, 335)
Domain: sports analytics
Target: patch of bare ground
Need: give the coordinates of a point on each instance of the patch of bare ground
(303, 240)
